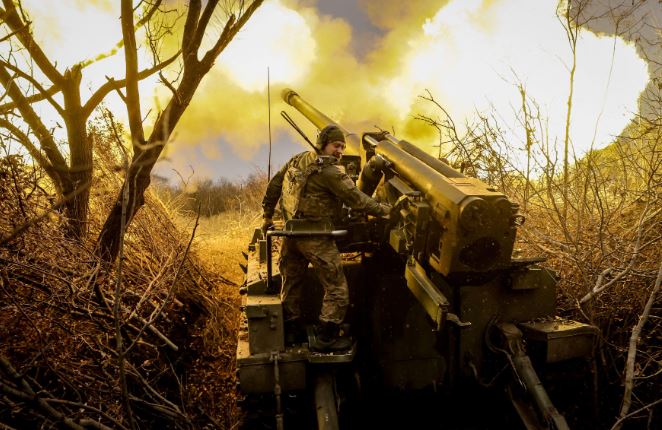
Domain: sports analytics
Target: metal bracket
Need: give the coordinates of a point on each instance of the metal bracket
(526, 375)
(452, 318)
(277, 390)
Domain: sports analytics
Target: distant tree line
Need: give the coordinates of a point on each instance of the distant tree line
(213, 197)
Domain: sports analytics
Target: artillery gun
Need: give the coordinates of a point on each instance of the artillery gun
(438, 302)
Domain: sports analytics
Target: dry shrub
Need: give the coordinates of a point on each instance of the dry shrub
(603, 237)
(57, 320)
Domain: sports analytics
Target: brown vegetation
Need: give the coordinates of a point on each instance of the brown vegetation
(59, 355)
(150, 341)
(60, 346)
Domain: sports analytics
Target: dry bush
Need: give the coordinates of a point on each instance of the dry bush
(223, 237)
(229, 212)
(59, 326)
(209, 198)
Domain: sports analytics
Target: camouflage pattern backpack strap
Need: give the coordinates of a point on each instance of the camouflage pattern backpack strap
(295, 181)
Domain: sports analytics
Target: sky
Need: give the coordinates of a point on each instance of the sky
(366, 63)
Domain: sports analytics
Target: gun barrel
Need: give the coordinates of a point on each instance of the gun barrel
(433, 184)
(428, 159)
(476, 219)
(319, 119)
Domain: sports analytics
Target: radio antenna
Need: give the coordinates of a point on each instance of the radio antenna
(294, 125)
(269, 110)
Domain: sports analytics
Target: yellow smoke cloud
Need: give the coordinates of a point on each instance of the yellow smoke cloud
(276, 37)
(232, 100)
(74, 31)
(470, 54)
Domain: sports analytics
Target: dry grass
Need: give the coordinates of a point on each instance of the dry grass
(58, 335)
(221, 238)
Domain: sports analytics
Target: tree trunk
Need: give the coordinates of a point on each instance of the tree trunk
(138, 177)
(145, 155)
(80, 148)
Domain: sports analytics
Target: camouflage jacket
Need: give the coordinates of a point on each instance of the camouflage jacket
(314, 187)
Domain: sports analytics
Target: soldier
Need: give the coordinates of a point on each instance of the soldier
(311, 186)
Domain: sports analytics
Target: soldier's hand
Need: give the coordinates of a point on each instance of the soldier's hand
(386, 209)
(268, 224)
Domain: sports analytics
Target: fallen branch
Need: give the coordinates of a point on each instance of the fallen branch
(57, 206)
(599, 287)
(619, 422)
(632, 350)
(157, 312)
(23, 391)
(155, 331)
(80, 405)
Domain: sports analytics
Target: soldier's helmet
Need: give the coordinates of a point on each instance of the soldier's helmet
(330, 133)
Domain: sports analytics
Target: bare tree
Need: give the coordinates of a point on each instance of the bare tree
(146, 152)
(26, 85)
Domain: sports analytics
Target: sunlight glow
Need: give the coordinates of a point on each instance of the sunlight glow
(472, 55)
(72, 31)
(275, 37)
(76, 31)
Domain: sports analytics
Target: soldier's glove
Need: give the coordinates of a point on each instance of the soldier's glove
(386, 209)
(268, 224)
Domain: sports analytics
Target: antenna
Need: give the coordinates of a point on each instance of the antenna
(291, 122)
(269, 110)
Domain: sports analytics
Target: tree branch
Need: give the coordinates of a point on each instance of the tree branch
(229, 31)
(44, 95)
(599, 287)
(131, 60)
(619, 422)
(23, 34)
(46, 140)
(26, 393)
(63, 201)
(24, 140)
(202, 25)
(190, 29)
(114, 84)
(632, 350)
(120, 44)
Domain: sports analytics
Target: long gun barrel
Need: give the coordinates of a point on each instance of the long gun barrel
(428, 159)
(476, 221)
(476, 229)
(319, 119)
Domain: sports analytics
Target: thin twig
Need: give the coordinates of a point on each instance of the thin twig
(619, 422)
(172, 285)
(19, 230)
(632, 349)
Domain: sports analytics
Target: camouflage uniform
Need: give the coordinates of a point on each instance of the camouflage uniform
(313, 187)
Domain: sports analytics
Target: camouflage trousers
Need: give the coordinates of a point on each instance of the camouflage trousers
(323, 254)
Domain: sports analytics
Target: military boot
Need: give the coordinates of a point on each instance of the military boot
(328, 338)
